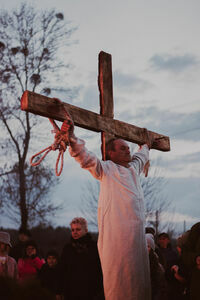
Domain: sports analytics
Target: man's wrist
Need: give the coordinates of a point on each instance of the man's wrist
(72, 139)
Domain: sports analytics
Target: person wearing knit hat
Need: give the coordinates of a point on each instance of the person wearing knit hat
(8, 265)
(150, 241)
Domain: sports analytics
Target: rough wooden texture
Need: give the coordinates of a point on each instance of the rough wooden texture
(106, 95)
(50, 108)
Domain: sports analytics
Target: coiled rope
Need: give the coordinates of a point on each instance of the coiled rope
(61, 141)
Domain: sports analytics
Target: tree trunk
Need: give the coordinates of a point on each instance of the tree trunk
(22, 201)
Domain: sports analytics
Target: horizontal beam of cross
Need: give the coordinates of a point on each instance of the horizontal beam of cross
(51, 108)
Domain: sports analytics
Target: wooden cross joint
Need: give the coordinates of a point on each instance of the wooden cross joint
(103, 122)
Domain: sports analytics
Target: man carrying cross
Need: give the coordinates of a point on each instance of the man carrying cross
(121, 243)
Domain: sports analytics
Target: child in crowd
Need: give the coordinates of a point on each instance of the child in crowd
(48, 274)
(30, 264)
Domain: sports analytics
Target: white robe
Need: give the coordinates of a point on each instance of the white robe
(121, 243)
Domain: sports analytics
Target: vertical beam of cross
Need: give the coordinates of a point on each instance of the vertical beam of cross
(106, 95)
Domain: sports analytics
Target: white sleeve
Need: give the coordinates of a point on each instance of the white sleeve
(85, 158)
(140, 158)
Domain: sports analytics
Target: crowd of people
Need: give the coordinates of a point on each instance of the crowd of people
(76, 274)
(175, 271)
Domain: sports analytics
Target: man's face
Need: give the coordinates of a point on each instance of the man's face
(52, 261)
(23, 237)
(163, 241)
(121, 155)
(78, 231)
(3, 247)
(30, 250)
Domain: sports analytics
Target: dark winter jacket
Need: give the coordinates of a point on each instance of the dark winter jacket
(192, 247)
(80, 270)
(194, 289)
(157, 275)
(48, 278)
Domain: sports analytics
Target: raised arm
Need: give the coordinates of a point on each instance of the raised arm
(142, 156)
(85, 158)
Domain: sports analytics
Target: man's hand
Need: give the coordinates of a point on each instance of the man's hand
(174, 268)
(68, 126)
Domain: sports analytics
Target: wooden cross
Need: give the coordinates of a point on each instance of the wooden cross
(103, 122)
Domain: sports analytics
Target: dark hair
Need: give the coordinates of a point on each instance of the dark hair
(193, 236)
(52, 253)
(163, 234)
(30, 243)
(150, 230)
(24, 231)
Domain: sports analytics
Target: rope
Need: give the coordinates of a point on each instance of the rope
(61, 141)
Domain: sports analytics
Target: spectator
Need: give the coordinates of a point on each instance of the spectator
(179, 281)
(169, 255)
(80, 269)
(48, 274)
(191, 247)
(150, 230)
(169, 258)
(157, 273)
(8, 265)
(17, 251)
(30, 264)
(191, 259)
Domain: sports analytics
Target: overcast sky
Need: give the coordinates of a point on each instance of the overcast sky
(155, 50)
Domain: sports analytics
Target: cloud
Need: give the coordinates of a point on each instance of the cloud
(180, 159)
(184, 193)
(130, 82)
(173, 63)
(174, 124)
(181, 165)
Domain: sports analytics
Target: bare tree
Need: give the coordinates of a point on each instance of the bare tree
(89, 203)
(29, 45)
(156, 201)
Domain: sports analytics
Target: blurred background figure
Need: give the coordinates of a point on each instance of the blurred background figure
(49, 273)
(157, 273)
(18, 250)
(30, 264)
(191, 260)
(168, 257)
(80, 268)
(150, 230)
(8, 265)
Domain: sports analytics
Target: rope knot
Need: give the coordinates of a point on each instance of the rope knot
(61, 141)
